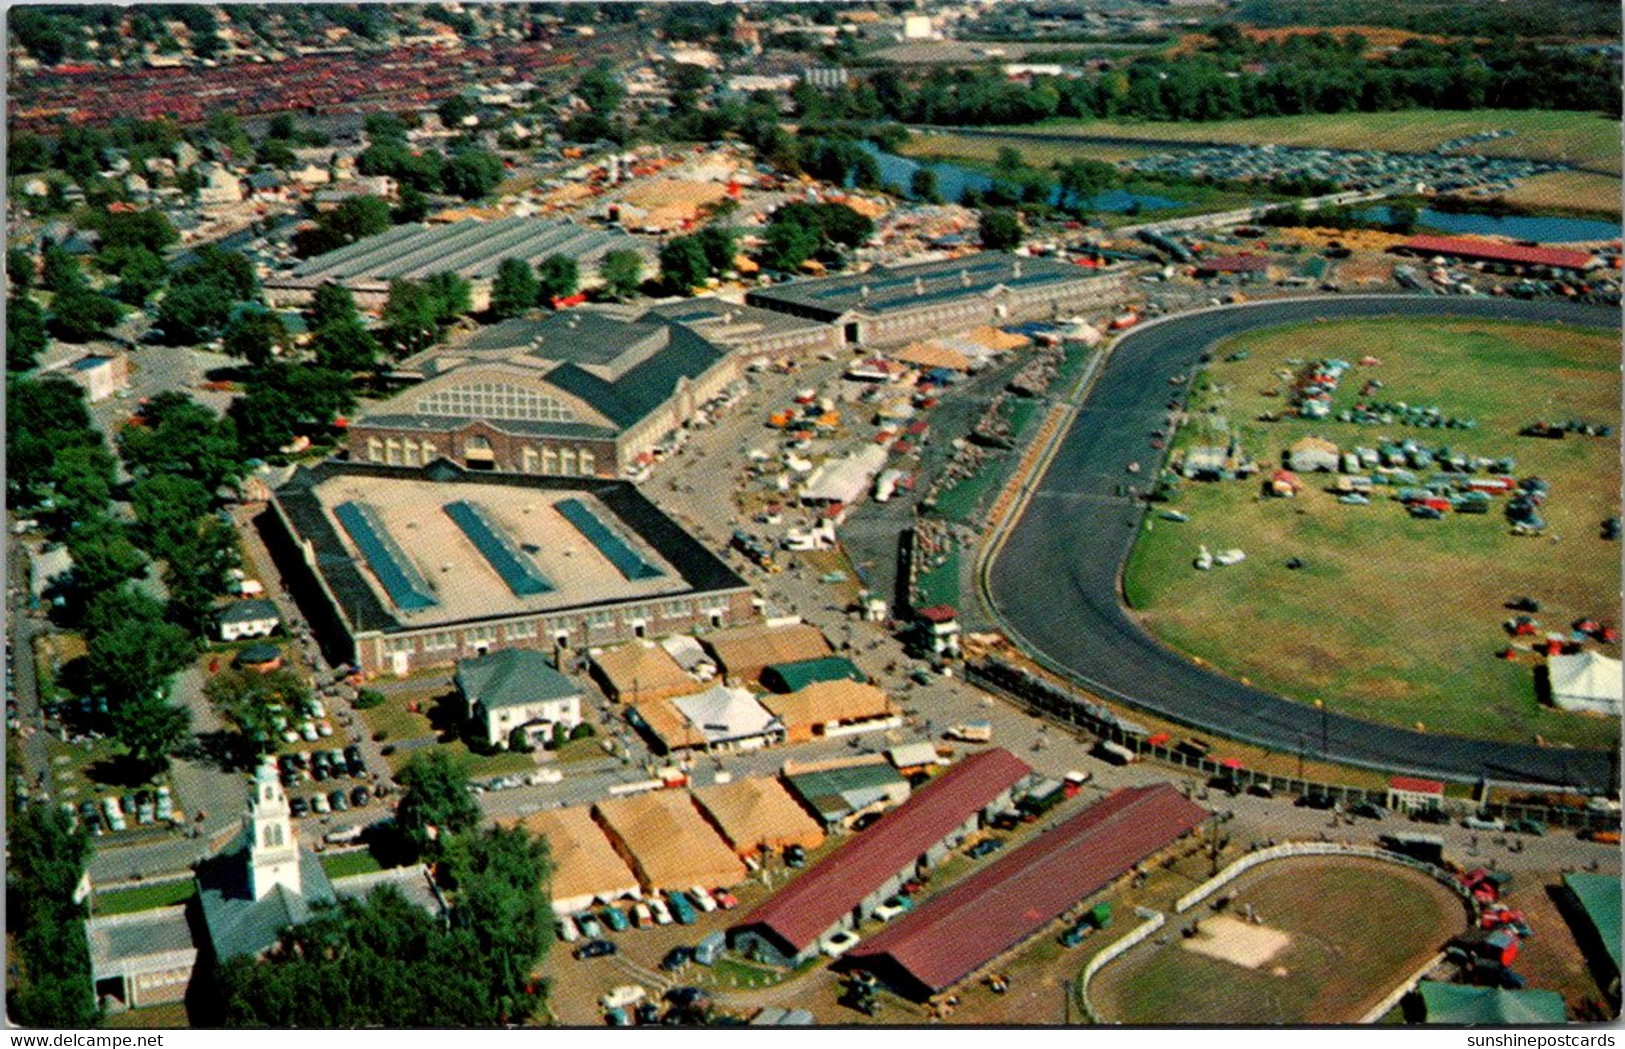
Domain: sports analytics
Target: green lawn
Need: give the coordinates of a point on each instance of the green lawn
(1017, 411)
(959, 502)
(1330, 972)
(397, 722)
(940, 586)
(480, 766)
(1585, 140)
(344, 864)
(144, 897)
(1392, 618)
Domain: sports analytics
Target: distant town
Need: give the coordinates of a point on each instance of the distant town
(807, 514)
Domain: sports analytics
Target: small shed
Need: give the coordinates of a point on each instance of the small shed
(1411, 794)
(262, 657)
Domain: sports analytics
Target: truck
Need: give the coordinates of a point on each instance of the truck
(972, 731)
(1427, 848)
(886, 485)
(1044, 795)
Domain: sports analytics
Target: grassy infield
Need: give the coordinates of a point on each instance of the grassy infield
(1396, 619)
(1590, 143)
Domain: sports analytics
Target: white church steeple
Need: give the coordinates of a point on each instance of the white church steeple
(273, 858)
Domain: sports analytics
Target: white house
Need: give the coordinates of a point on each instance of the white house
(253, 618)
(517, 689)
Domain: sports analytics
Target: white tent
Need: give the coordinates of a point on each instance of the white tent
(1588, 681)
(726, 715)
(844, 480)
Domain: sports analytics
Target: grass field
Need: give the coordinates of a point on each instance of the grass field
(1392, 618)
(144, 897)
(344, 864)
(1357, 928)
(1585, 140)
(945, 146)
(1577, 191)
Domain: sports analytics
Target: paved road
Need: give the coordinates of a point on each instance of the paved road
(1056, 583)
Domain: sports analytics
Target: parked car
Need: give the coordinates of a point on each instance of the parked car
(647, 1013)
(681, 908)
(298, 807)
(702, 899)
(676, 958)
(594, 949)
(838, 943)
(1533, 828)
(617, 1018)
(589, 926)
(658, 908)
(1366, 809)
(319, 804)
(360, 796)
(339, 802)
(795, 856)
(865, 821)
(725, 899)
(615, 918)
(1076, 934)
(892, 907)
(1479, 821)
(985, 847)
(566, 930)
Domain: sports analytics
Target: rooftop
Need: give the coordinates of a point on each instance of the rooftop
(669, 841)
(1599, 898)
(512, 677)
(810, 904)
(1467, 247)
(584, 862)
(471, 248)
(884, 289)
(458, 579)
(978, 919)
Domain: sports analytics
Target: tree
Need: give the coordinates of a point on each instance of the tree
(25, 333)
(167, 508)
(454, 109)
(82, 478)
(622, 273)
(435, 802)
(683, 265)
(558, 277)
(196, 572)
(514, 290)
(230, 271)
(80, 313)
(600, 90)
(151, 230)
(720, 245)
(246, 698)
(495, 872)
(923, 186)
(150, 728)
(472, 174)
(140, 272)
(999, 230)
(46, 857)
(345, 346)
(263, 420)
(181, 437)
(358, 217)
(254, 336)
(411, 205)
(60, 270)
(191, 314)
(331, 304)
(20, 269)
(452, 296)
(788, 245)
(44, 417)
(411, 319)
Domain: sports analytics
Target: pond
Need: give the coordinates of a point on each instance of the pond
(953, 180)
(1541, 229)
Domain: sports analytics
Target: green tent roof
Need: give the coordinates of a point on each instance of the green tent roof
(793, 677)
(1599, 898)
(1451, 1003)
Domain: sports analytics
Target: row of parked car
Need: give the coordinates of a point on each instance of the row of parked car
(684, 908)
(114, 814)
(321, 765)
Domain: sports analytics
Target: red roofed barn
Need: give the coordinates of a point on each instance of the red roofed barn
(1494, 251)
(856, 878)
(955, 934)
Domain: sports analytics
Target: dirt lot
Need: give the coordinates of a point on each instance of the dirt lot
(1356, 928)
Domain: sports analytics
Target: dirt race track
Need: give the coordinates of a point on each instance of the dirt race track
(1354, 930)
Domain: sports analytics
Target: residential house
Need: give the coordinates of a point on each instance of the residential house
(517, 688)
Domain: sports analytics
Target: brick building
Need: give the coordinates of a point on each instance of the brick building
(399, 569)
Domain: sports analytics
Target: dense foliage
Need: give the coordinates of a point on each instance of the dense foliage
(46, 856)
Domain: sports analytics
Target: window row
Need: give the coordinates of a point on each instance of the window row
(494, 401)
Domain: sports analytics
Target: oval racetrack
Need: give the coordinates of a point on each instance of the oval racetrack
(1056, 582)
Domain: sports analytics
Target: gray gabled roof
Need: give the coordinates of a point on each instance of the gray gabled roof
(512, 677)
(645, 386)
(249, 611)
(238, 924)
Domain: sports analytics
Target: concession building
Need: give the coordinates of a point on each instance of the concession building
(667, 843)
(586, 867)
(894, 305)
(401, 569)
